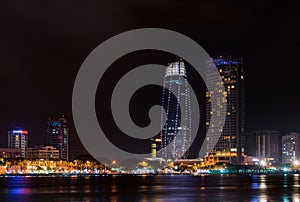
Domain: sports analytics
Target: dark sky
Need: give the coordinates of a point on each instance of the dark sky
(43, 43)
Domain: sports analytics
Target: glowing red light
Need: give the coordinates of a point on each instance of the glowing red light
(221, 56)
(24, 132)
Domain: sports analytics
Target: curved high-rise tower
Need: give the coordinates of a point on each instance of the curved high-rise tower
(176, 130)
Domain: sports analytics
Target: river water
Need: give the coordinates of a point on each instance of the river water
(151, 188)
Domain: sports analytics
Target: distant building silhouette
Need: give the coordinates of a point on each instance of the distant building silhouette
(268, 146)
(77, 152)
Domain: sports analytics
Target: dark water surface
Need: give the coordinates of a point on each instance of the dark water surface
(151, 188)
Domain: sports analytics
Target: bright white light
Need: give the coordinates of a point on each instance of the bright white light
(263, 163)
(297, 163)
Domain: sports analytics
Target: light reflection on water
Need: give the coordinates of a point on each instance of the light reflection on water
(152, 188)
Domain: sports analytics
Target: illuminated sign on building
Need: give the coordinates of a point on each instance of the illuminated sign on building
(20, 131)
(55, 123)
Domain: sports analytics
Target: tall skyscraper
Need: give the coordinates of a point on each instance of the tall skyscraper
(18, 138)
(230, 146)
(58, 136)
(175, 101)
(268, 146)
(290, 148)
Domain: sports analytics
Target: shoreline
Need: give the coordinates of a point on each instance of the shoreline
(142, 174)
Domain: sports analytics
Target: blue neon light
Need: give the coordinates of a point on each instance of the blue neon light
(55, 124)
(220, 61)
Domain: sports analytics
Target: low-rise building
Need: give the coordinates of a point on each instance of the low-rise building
(10, 152)
(42, 152)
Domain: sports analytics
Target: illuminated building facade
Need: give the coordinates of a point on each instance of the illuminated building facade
(290, 148)
(10, 152)
(18, 138)
(268, 146)
(42, 152)
(177, 129)
(58, 136)
(154, 145)
(230, 146)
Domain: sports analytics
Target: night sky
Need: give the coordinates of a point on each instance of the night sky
(43, 44)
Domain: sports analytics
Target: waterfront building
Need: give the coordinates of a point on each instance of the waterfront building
(10, 152)
(290, 148)
(251, 160)
(42, 152)
(268, 146)
(176, 105)
(58, 136)
(18, 138)
(155, 143)
(230, 145)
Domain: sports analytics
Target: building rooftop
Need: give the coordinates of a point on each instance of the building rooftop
(176, 68)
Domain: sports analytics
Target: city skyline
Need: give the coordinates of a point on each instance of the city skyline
(218, 61)
(43, 53)
(112, 100)
(230, 146)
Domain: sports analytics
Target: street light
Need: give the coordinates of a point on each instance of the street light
(296, 163)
